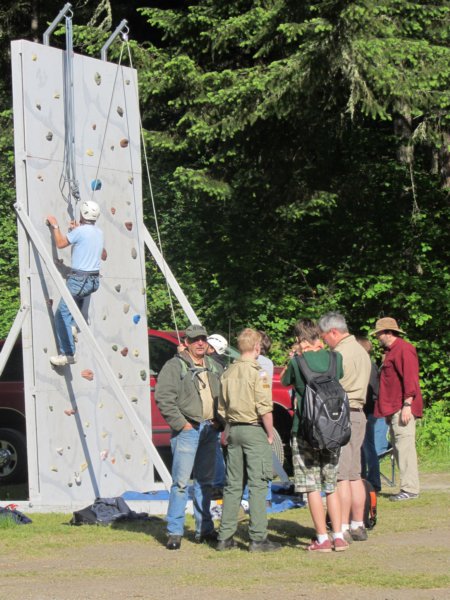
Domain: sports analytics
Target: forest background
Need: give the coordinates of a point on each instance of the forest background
(300, 162)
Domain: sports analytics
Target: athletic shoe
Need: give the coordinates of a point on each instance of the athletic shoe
(325, 546)
(225, 544)
(402, 495)
(62, 360)
(264, 546)
(347, 537)
(173, 542)
(340, 545)
(359, 534)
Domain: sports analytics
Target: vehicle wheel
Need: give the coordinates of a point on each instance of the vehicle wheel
(277, 447)
(13, 457)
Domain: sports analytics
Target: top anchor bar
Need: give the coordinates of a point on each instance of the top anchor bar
(52, 27)
(121, 28)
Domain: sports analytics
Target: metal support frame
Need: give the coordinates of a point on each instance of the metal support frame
(170, 277)
(121, 28)
(110, 376)
(62, 13)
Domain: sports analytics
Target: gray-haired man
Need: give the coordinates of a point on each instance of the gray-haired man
(357, 367)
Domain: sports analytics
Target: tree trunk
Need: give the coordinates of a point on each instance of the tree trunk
(445, 160)
(403, 130)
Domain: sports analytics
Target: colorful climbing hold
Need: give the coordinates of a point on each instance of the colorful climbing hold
(104, 454)
(94, 126)
(113, 211)
(98, 78)
(69, 412)
(118, 287)
(136, 319)
(124, 351)
(90, 152)
(49, 136)
(133, 253)
(120, 111)
(56, 95)
(38, 106)
(96, 185)
(124, 143)
(128, 225)
(33, 57)
(143, 374)
(114, 347)
(135, 352)
(130, 179)
(126, 308)
(87, 374)
(134, 400)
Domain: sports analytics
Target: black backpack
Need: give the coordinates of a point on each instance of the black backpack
(325, 417)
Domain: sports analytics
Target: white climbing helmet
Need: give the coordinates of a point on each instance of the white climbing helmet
(218, 342)
(90, 210)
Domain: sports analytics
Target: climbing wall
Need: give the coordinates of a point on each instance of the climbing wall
(81, 444)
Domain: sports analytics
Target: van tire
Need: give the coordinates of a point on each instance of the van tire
(13, 457)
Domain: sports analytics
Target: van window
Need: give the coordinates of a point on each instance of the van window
(160, 351)
(13, 370)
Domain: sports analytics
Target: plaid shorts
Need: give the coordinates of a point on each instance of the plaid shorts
(314, 470)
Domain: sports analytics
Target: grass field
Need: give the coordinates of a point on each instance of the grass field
(407, 556)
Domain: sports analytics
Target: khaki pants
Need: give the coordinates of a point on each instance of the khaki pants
(403, 439)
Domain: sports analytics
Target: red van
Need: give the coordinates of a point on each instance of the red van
(162, 346)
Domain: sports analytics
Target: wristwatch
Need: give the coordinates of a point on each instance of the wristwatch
(407, 404)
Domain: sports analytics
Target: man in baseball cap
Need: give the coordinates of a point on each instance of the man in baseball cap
(400, 402)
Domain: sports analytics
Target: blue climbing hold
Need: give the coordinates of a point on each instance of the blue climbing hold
(136, 319)
(96, 185)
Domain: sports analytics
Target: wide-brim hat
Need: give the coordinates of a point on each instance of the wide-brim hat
(195, 330)
(386, 324)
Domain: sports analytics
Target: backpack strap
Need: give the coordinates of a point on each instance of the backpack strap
(309, 374)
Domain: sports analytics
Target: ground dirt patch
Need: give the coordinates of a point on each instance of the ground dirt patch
(406, 558)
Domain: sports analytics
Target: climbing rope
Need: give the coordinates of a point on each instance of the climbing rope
(68, 175)
(154, 209)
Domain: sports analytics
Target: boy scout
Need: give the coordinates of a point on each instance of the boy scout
(247, 407)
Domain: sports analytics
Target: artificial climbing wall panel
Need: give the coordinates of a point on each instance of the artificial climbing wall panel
(81, 443)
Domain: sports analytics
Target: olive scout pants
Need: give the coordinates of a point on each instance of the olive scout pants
(249, 460)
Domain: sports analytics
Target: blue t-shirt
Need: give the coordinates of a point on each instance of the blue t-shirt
(87, 246)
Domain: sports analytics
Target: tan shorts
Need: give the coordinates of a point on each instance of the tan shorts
(350, 460)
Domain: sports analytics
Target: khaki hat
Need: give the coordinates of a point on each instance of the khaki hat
(195, 330)
(386, 324)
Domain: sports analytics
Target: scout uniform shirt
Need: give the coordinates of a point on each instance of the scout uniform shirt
(246, 393)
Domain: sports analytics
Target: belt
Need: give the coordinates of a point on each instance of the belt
(84, 273)
(355, 409)
(252, 424)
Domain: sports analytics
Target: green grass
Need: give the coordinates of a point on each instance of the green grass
(403, 552)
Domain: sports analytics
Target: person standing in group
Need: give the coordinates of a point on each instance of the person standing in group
(357, 367)
(400, 402)
(375, 440)
(246, 406)
(217, 347)
(315, 470)
(187, 394)
(87, 244)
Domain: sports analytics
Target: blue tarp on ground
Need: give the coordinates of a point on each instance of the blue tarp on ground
(280, 501)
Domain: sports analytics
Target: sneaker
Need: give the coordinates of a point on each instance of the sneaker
(211, 536)
(264, 546)
(402, 495)
(359, 534)
(225, 544)
(347, 537)
(173, 542)
(325, 546)
(340, 545)
(62, 360)
(75, 334)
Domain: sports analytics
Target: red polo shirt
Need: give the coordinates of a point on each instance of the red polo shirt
(399, 379)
